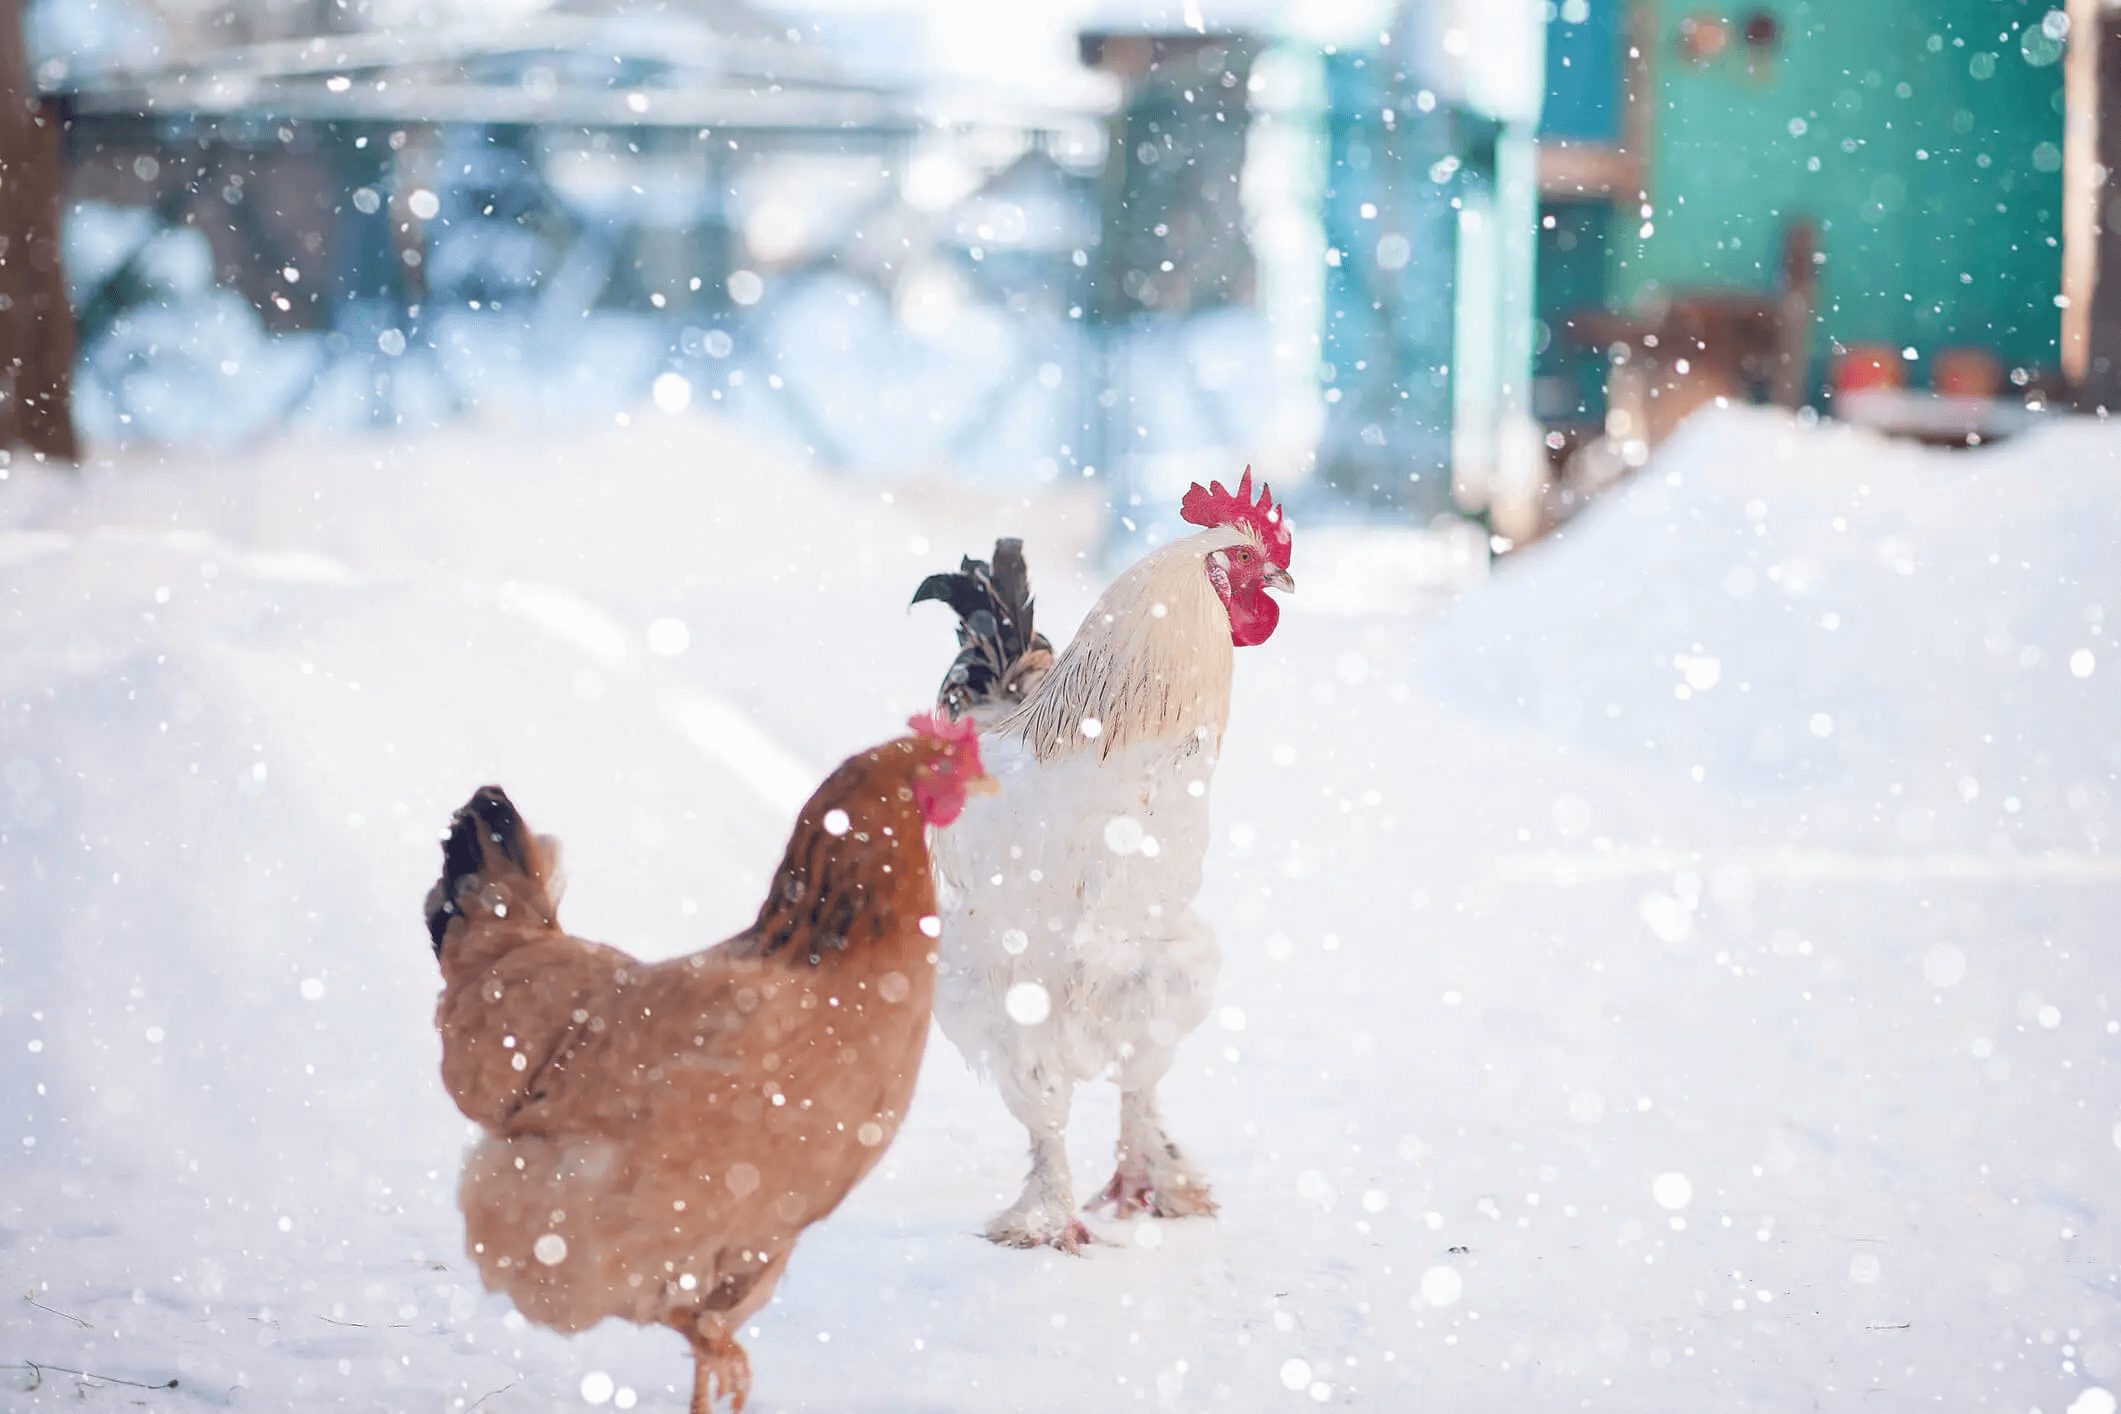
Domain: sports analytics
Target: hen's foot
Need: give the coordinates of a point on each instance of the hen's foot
(1016, 1228)
(1178, 1195)
(721, 1371)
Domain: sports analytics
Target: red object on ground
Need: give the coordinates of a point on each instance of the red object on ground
(1868, 366)
(1968, 373)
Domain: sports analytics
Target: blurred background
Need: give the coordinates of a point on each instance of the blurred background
(1664, 860)
(1415, 260)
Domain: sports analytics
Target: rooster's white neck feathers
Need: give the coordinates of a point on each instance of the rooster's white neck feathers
(1151, 661)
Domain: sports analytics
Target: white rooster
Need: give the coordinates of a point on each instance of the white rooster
(1070, 949)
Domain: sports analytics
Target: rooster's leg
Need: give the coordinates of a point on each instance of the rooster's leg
(1044, 1213)
(1153, 1174)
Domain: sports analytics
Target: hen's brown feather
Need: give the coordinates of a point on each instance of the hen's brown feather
(658, 1134)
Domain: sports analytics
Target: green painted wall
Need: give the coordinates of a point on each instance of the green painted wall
(1923, 138)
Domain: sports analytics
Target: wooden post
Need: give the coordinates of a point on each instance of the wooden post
(36, 325)
(1796, 305)
(2082, 186)
(2091, 262)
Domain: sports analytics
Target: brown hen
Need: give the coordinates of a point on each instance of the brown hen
(659, 1134)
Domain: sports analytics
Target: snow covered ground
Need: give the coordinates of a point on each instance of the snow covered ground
(1678, 975)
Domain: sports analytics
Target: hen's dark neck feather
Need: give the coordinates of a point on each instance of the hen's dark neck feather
(841, 893)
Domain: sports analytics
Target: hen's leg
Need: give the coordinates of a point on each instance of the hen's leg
(1153, 1174)
(1044, 1213)
(743, 1284)
(720, 1369)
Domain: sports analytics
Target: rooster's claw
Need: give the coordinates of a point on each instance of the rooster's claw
(1130, 1196)
(1072, 1237)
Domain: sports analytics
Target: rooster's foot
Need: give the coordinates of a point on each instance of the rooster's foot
(1133, 1194)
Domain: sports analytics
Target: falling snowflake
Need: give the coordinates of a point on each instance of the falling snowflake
(1672, 1190)
(1027, 1003)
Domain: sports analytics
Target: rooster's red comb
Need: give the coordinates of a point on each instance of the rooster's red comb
(1213, 506)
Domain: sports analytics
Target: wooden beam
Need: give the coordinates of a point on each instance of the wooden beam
(1589, 169)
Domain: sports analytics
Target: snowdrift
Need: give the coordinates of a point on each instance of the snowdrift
(1678, 977)
(1871, 644)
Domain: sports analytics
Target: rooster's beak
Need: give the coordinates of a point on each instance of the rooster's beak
(1278, 578)
(983, 784)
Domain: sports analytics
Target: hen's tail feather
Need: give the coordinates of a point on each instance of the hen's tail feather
(1001, 655)
(491, 862)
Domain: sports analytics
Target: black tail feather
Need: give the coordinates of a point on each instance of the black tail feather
(488, 818)
(999, 649)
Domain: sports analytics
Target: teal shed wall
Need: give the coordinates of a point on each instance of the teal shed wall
(1922, 137)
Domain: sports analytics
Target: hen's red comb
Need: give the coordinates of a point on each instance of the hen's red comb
(939, 726)
(1213, 506)
(960, 739)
